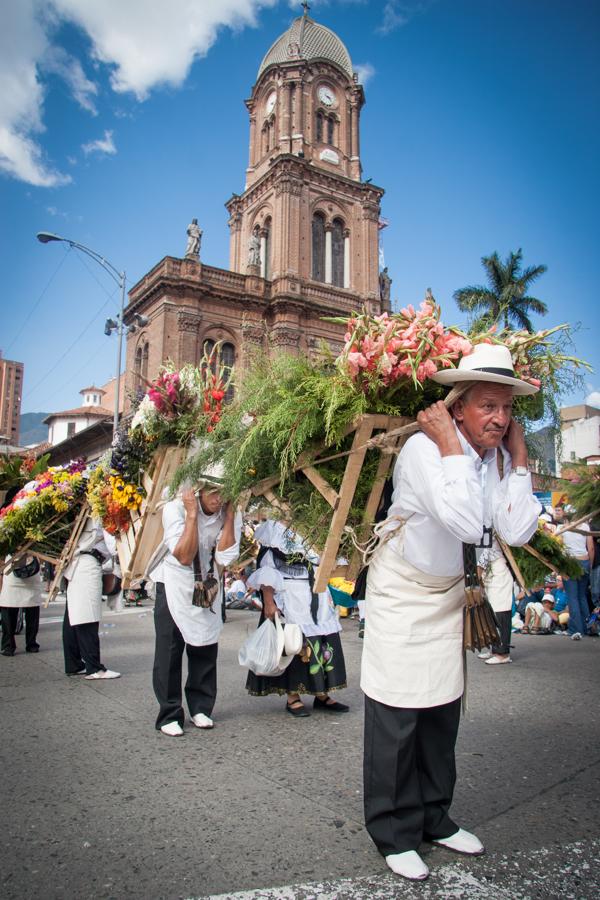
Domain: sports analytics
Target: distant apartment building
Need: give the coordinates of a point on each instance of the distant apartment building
(11, 391)
(580, 435)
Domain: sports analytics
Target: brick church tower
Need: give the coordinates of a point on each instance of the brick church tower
(303, 235)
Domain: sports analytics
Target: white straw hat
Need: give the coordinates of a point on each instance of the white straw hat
(487, 362)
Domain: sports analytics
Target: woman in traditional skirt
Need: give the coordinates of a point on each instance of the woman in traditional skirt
(285, 576)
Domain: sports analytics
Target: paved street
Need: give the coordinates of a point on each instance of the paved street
(97, 804)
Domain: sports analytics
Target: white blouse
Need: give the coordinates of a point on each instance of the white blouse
(292, 591)
(576, 544)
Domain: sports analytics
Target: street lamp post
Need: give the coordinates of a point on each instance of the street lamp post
(45, 237)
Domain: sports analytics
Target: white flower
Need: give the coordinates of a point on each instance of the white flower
(144, 415)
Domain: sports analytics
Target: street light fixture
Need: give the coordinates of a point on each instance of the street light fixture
(45, 237)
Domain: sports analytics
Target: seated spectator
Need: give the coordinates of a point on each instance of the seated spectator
(238, 596)
(561, 606)
(523, 598)
(236, 592)
(540, 616)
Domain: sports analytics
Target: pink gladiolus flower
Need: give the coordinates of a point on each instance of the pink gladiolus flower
(426, 370)
(356, 362)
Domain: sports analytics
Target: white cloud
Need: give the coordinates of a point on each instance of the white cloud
(145, 43)
(59, 62)
(365, 72)
(101, 145)
(593, 399)
(149, 42)
(397, 13)
(22, 43)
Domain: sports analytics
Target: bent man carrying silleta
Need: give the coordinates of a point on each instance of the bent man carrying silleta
(447, 489)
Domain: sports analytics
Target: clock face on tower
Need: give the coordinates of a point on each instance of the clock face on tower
(326, 95)
(270, 104)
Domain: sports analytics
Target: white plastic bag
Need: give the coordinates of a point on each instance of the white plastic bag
(259, 652)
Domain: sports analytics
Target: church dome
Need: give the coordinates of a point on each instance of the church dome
(307, 40)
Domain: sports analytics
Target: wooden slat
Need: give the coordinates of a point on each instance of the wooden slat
(323, 486)
(261, 486)
(68, 551)
(276, 501)
(514, 566)
(149, 536)
(340, 515)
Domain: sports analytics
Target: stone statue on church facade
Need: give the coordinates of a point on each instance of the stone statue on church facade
(254, 250)
(385, 285)
(194, 233)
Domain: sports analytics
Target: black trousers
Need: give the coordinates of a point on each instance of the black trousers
(504, 620)
(10, 615)
(201, 684)
(409, 774)
(81, 646)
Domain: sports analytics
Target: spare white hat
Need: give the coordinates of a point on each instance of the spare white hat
(487, 362)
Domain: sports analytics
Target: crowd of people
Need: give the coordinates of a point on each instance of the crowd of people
(460, 485)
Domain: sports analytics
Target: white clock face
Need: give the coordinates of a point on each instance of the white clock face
(270, 104)
(326, 96)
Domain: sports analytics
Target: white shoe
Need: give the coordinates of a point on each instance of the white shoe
(498, 660)
(485, 653)
(408, 864)
(462, 842)
(576, 636)
(172, 729)
(202, 721)
(96, 676)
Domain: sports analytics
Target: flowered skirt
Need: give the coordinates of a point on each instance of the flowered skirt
(323, 671)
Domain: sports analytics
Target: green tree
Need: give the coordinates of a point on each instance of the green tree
(505, 300)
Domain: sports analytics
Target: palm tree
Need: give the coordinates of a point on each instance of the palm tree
(506, 297)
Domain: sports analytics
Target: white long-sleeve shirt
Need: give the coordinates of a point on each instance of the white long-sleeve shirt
(447, 501)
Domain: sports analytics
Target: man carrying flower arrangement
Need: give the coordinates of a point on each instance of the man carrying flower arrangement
(448, 489)
(201, 536)
(83, 609)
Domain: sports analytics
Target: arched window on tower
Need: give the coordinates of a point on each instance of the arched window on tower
(337, 253)
(226, 359)
(330, 130)
(140, 367)
(319, 129)
(266, 250)
(318, 247)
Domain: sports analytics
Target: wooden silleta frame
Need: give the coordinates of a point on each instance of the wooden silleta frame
(340, 501)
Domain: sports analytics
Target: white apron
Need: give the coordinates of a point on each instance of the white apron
(199, 627)
(21, 592)
(84, 591)
(412, 656)
(499, 585)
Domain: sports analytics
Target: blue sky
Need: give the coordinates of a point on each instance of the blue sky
(481, 122)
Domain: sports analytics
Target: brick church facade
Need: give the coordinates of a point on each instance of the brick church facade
(303, 235)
